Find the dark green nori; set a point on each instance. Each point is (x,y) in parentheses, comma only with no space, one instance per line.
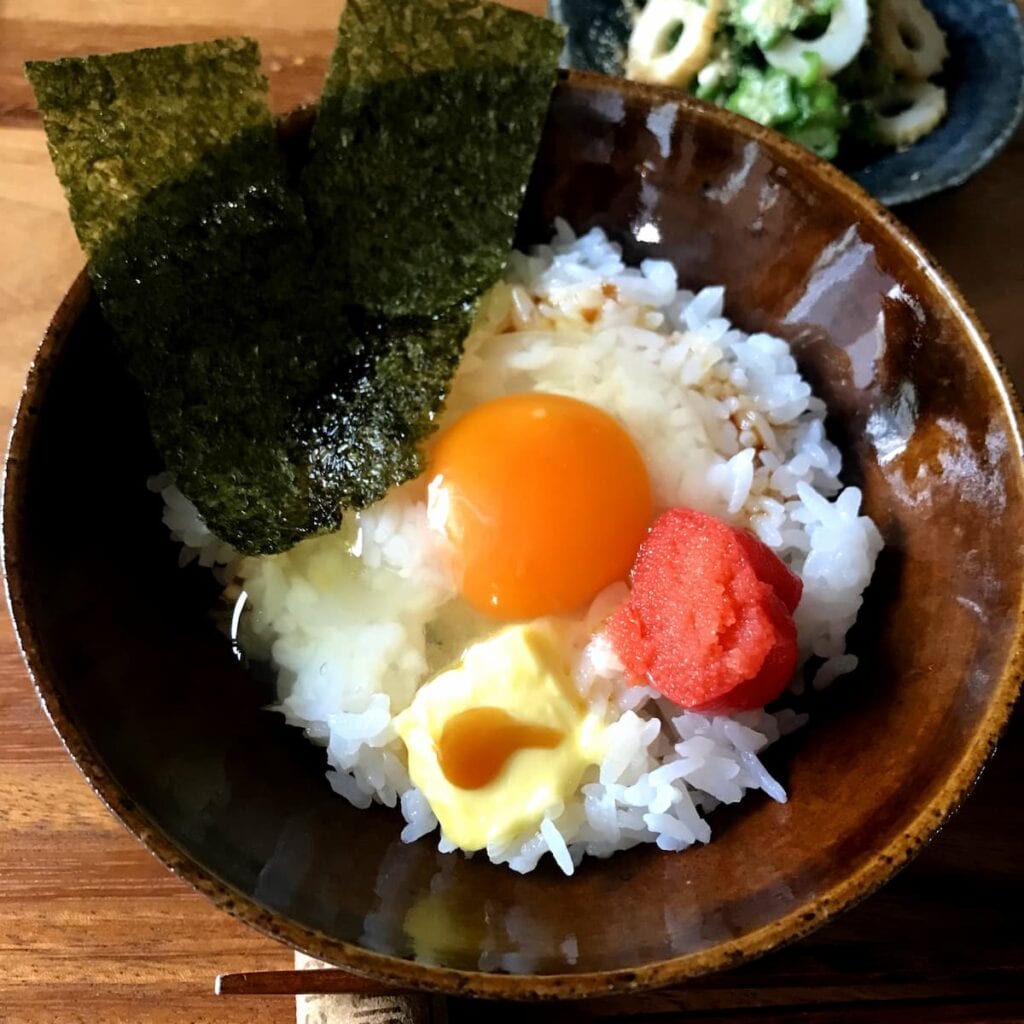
(288,377)
(197,247)
(369,435)
(425,136)
(121,124)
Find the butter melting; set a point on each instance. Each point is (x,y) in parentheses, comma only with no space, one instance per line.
(502,737)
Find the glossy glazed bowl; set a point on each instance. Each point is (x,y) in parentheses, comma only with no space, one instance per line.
(984,80)
(169,728)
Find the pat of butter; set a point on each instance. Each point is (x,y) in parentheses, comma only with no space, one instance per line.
(525,671)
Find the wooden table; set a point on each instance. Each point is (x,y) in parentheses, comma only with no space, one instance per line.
(94,930)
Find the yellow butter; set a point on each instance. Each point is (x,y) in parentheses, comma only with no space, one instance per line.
(525,671)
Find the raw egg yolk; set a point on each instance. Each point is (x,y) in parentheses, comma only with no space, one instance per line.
(544,501)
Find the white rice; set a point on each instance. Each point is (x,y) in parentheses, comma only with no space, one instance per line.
(356,621)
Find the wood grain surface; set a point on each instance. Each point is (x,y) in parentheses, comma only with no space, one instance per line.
(94,930)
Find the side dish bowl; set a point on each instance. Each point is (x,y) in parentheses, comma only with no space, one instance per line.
(170,728)
(984,79)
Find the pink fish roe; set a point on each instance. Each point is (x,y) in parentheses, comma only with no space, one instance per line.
(709,620)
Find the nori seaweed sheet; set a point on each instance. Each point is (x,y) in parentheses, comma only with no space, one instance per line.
(425,136)
(121,124)
(369,434)
(292,374)
(197,245)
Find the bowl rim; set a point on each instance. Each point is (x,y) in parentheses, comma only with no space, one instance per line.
(409,974)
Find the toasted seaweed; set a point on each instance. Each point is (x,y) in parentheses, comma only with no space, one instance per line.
(121,124)
(291,371)
(198,248)
(425,136)
(366,439)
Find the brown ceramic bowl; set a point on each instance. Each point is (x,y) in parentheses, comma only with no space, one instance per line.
(168,727)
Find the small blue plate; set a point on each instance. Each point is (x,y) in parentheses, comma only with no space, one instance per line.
(984,78)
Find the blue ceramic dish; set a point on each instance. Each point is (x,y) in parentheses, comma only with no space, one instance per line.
(984,78)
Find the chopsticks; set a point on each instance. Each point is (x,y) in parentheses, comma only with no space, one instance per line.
(327,995)
(326,981)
